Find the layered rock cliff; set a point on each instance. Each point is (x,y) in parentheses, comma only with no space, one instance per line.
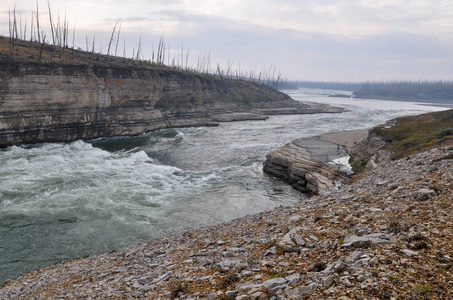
(53,102)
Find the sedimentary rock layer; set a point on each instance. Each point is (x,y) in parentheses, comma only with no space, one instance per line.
(53,103)
(307,163)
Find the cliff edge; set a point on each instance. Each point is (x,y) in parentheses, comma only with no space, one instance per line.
(79,95)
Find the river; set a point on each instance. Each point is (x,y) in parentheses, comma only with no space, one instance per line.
(66,200)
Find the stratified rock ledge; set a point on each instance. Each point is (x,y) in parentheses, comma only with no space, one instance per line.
(308,164)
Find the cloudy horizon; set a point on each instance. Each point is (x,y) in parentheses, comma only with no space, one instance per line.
(356,40)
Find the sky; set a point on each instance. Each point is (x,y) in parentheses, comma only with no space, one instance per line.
(317,40)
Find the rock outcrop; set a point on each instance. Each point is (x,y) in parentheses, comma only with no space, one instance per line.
(45,102)
(311,165)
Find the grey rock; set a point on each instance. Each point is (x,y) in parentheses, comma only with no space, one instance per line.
(295,218)
(287,243)
(247,287)
(346,282)
(275,289)
(204,263)
(305,250)
(425,194)
(271,251)
(293,293)
(355,256)
(268,284)
(383,182)
(373,262)
(258,296)
(370,240)
(227,264)
(231,293)
(308,288)
(409,253)
(298,240)
(327,282)
(375,209)
(164,277)
(314,238)
(292,279)
(246,273)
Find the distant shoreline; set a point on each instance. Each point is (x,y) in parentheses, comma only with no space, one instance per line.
(418,101)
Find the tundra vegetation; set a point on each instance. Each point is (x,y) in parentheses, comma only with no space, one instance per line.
(406,136)
(409,135)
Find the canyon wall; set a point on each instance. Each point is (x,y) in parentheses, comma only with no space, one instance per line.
(45,102)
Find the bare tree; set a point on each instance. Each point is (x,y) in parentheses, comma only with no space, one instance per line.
(139,47)
(11,34)
(111,37)
(15,33)
(73,37)
(52,29)
(42,45)
(187,58)
(37,22)
(31,25)
(124,47)
(161,50)
(117,40)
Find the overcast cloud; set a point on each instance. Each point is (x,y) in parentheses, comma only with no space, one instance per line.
(306,39)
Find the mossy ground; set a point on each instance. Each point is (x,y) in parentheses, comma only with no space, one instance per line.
(415,134)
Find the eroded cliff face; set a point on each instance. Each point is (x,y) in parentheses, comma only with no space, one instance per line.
(50,103)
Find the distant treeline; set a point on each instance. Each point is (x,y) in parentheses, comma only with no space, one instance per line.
(327,85)
(427,91)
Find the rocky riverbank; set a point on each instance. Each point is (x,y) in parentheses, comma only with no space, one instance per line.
(385,235)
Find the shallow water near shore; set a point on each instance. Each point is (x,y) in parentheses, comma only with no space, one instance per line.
(66,200)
